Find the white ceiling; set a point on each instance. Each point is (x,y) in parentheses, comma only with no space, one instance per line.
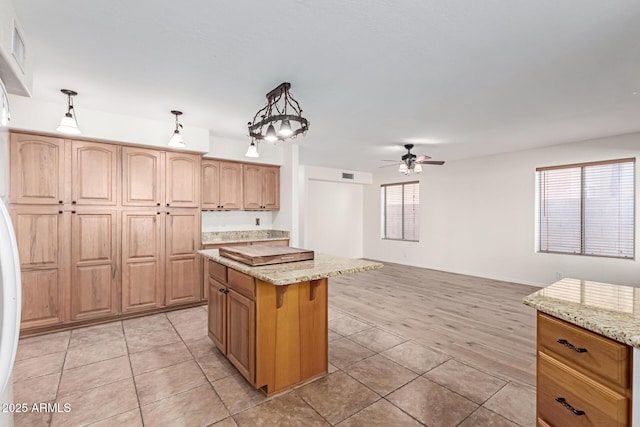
(465,78)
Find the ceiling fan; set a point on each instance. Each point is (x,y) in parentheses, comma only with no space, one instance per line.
(410,162)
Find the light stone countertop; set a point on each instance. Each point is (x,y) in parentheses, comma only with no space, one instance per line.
(300,271)
(609,310)
(222,237)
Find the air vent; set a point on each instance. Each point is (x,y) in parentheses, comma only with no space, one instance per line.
(347,175)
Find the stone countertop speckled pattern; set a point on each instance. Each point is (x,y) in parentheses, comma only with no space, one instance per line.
(222,237)
(301,271)
(609,310)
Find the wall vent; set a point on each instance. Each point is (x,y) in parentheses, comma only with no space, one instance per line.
(347,175)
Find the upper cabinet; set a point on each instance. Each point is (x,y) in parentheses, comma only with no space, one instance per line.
(142,177)
(261,187)
(41,154)
(182,173)
(221,185)
(94,169)
(40,167)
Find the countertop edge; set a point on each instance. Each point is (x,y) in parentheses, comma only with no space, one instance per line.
(602,322)
(360,265)
(224,242)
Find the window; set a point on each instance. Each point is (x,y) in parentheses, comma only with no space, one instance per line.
(401,211)
(587,209)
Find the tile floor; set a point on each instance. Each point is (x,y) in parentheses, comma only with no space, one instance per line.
(162,370)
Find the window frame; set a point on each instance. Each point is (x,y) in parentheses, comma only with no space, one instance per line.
(384,210)
(539,201)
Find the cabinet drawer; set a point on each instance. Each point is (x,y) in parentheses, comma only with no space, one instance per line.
(586,351)
(218,271)
(598,405)
(242,283)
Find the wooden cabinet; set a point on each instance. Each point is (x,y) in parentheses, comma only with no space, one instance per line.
(42,234)
(583,379)
(182,262)
(276,336)
(94,251)
(142,177)
(37,170)
(142,260)
(182,180)
(94,169)
(261,187)
(221,185)
(103,229)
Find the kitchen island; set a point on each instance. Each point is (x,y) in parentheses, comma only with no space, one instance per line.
(271,321)
(588,354)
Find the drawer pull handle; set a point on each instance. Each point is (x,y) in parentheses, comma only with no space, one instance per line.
(563,402)
(571,346)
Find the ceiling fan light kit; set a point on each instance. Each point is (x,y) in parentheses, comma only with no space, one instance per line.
(412,163)
(282,112)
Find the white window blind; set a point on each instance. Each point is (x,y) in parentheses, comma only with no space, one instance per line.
(401,211)
(587,209)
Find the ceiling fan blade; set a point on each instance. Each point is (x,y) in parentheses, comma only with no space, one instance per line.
(431,162)
(396,161)
(421,158)
(386,166)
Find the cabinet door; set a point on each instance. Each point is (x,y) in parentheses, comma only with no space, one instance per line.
(241,334)
(230,185)
(93,264)
(142,255)
(271,188)
(142,171)
(210,184)
(182,262)
(37,169)
(218,314)
(182,180)
(42,237)
(93,173)
(252,183)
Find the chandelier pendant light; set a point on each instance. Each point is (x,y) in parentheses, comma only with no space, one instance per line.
(68,123)
(280,119)
(176,140)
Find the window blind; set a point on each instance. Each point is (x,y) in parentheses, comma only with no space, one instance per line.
(587,209)
(401,211)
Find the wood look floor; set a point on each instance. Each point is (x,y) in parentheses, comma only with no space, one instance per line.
(479,321)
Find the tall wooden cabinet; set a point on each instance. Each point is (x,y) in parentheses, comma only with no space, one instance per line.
(103,229)
(261,187)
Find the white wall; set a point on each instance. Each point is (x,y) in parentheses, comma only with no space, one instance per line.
(40,116)
(478,217)
(332,210)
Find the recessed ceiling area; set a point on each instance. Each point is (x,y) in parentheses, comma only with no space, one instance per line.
(457,78)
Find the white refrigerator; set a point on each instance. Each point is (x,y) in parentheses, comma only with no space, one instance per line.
(10,286)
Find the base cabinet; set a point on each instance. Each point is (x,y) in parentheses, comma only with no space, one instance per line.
(276,336)
(583,379)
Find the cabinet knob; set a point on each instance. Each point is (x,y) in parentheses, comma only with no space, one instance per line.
(73,212)
(158,204)
(168,213)
(73,202)
(167,204)
(60,201)
(59,212)
(157,213)
(221,290)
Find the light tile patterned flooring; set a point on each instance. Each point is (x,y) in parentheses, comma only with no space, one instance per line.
(162,370)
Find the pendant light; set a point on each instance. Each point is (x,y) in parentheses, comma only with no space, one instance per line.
(253,150)
(69,124)
(176,139)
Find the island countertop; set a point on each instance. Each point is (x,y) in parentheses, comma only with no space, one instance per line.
(609,310)
(294,272)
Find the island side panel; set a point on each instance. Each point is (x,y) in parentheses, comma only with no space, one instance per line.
(292,342)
